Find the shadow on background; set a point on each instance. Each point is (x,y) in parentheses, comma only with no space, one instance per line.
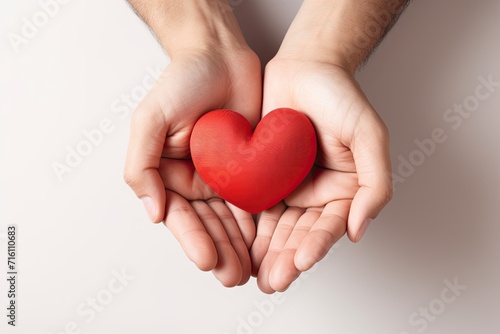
(263,29)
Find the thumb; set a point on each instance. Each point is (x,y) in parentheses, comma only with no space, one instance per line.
(147,136)
(370,149)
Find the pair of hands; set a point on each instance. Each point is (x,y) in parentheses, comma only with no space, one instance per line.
(348,186)
(349,183)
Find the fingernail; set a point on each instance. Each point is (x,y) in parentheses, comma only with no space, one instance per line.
(363,229)
(150,207)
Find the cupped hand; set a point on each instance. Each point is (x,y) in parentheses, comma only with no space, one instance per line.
(350,181)
(213,234)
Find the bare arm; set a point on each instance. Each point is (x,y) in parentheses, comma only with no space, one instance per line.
(182,25)
(211,67)
(344,31)
(350,183)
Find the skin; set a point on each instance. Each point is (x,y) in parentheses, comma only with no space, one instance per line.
(313,72)
(212,67)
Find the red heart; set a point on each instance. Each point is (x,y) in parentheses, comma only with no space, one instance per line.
(253,171)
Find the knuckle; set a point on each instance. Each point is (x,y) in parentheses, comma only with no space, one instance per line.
(130,178)
(387,195)
(383,132)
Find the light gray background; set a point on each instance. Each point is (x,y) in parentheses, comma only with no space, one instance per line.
(442,224)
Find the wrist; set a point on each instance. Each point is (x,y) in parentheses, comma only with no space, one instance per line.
(185,26)
(314,34)
(341,32)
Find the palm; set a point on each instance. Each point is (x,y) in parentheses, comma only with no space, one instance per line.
(214,234)
(299,232)
(331,105)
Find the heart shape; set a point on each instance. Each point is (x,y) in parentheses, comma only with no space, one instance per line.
(253,171)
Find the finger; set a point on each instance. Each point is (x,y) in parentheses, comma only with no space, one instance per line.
(235,238)
(147,136)
(265,228)
(228,269)
(285,227)
(264,270)
(284,271)
(187,228)
(280,236)
(181,176)
(245,222)
(370,149)
(325,232)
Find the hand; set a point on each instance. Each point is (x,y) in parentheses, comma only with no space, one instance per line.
(350,181)
(213,234)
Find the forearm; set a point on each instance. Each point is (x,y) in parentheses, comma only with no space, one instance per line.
(341,31)
(183,25)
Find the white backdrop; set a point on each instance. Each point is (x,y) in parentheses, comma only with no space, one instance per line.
(89,261)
